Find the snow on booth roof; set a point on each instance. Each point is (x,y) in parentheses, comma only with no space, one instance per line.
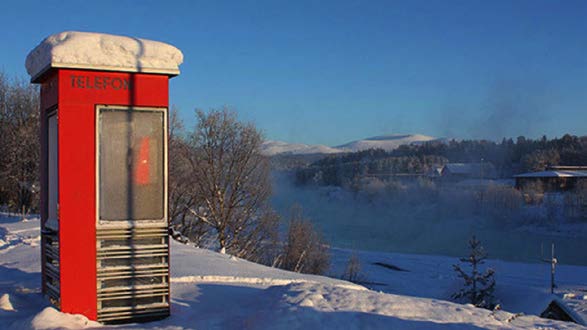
(98,51)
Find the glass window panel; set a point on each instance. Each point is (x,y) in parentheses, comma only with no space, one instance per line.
(131,164)
(53,170)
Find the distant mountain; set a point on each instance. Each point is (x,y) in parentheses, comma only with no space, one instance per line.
(271,148)
(385,142)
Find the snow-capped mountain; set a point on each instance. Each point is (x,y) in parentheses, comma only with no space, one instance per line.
(271,148)
(385,142)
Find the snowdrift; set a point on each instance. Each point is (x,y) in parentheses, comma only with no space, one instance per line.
(215,291)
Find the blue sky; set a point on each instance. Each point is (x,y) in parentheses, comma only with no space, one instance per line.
(329,72)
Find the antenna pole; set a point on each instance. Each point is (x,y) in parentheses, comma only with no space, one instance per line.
(553,263)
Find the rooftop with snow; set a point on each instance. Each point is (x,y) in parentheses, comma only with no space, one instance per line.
(99,51)
(553,174)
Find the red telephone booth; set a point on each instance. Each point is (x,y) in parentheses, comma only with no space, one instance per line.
(104,102)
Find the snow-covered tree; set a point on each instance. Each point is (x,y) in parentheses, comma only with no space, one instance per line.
(183,196)
(230,181)
(479,285)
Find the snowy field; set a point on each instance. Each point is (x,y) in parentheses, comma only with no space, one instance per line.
(520,287)
(214,291)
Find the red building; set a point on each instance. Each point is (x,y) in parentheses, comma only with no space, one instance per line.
(104,102)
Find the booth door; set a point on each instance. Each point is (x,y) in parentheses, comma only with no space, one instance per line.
(132,233)
(131,169)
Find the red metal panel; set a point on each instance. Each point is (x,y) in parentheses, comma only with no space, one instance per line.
(48,102)
(112,88)
(49,94)
(79,91)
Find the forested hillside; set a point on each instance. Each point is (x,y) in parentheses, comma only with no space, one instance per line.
(508,156)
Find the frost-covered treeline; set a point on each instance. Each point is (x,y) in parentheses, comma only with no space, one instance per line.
(508,156)
(19,145)
(409,176)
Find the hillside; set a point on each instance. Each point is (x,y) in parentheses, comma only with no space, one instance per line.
(215,291)
(270,148)
(385,142)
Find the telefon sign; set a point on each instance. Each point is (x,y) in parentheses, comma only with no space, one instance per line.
(105,244)
(100,82)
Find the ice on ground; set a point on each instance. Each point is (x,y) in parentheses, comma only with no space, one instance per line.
(73,49)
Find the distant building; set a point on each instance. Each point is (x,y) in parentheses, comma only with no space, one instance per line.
(465,171)
(434,172)
(570,308)
(555,178)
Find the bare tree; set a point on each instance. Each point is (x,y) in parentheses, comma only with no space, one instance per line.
(502,203)
(19,144)
(575,203)
(305,250)
(353,271)
(230,181)
(182,192)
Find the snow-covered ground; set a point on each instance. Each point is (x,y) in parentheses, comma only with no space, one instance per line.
(215,291)
(520,287)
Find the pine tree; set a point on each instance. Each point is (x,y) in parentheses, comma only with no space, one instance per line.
(479,285)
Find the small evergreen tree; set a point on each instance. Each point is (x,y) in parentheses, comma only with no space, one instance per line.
(479,285)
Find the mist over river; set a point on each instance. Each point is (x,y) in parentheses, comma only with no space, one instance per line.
(353,221)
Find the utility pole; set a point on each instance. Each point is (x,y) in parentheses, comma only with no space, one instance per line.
(552,261)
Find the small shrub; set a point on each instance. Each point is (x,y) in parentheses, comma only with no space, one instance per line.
(305,250)
(575,203)
(353,271)
(501,202)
